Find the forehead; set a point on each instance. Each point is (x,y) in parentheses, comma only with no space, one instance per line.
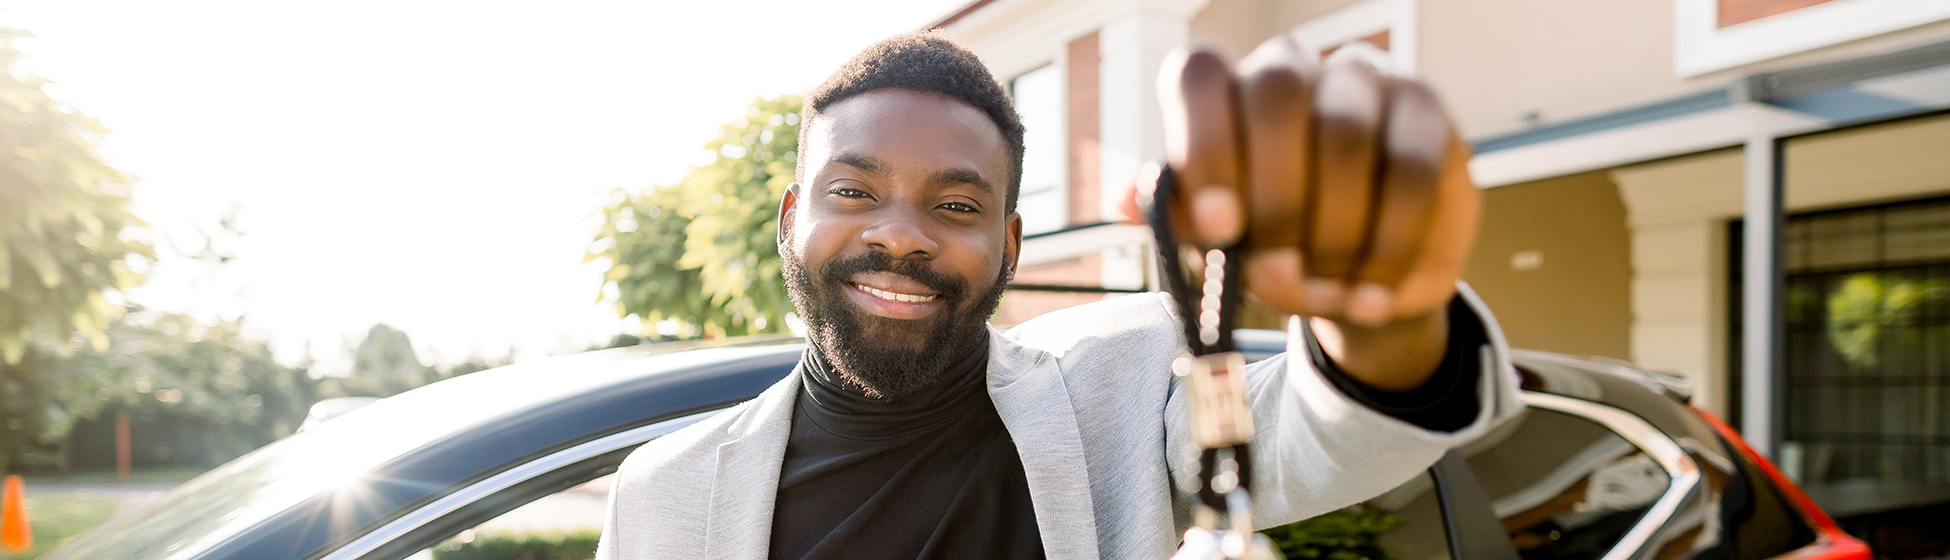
(908,128)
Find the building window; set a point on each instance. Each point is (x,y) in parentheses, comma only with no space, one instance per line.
(1044,203)
(1712,35)
(1867,391)
(1388,25)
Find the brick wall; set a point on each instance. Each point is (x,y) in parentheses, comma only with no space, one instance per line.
(1021,305)
(1082,109)
(1742,11)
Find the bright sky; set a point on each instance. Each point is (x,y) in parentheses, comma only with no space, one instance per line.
(434,166)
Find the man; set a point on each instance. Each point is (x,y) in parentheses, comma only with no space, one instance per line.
(913,429)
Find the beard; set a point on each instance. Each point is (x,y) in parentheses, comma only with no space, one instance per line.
(888,359)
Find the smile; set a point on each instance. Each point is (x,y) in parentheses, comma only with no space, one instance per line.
(895,296)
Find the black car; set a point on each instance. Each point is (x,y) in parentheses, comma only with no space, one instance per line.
(1609,462)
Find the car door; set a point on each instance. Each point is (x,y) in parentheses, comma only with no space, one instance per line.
(565,477)
(1569,480)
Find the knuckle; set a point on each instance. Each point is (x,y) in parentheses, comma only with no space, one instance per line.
(1202,69)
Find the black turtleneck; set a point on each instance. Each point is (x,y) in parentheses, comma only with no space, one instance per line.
(932,476)
(937,476)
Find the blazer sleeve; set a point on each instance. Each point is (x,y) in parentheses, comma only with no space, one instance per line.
(1318,448)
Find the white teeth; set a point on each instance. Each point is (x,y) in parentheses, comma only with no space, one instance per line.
(897,297)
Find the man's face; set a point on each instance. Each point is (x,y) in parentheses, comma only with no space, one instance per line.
(897,242)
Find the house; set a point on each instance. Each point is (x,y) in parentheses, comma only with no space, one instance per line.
(1638,159)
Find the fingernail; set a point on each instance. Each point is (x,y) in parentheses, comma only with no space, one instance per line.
(1324,295)
(1369,305)
(1216,214)
(1278,267)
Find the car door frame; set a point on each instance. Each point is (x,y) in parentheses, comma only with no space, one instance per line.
(1467,512)
(502,492)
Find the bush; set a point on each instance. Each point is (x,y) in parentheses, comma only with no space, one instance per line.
(1349,534)
(546,545)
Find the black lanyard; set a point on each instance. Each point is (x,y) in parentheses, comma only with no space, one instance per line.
(1208,301)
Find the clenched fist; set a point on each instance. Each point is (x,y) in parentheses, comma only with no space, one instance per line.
(1348,187)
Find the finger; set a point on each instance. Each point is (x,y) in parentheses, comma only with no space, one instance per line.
(1347,105)
(1415,142)
(1202,141)
(1431,282)
(1276,102)
(1132,211)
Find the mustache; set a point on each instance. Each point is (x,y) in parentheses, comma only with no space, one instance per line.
(947,287)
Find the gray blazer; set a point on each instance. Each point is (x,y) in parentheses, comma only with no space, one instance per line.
(1089,398)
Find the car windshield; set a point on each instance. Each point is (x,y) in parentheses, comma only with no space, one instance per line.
(219,504)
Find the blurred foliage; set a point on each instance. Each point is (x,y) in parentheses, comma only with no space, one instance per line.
(1349,534)
(63,213)
(703,252)
(196,394)
(385,364)
(1866,304)
(71,358)
(220,390)
(544,545)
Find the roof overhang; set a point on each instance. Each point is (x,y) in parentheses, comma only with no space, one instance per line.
(1773,104)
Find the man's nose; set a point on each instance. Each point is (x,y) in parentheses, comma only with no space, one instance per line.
(902,236)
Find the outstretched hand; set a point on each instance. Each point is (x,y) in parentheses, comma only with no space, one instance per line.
(1348,187)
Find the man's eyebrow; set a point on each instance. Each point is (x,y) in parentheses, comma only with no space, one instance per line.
(962,176)
(865,163)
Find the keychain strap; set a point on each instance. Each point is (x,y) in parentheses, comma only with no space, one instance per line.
(1214,372)
(1209,311)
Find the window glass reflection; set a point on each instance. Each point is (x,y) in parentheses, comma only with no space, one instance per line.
(564,525)
(1567,488)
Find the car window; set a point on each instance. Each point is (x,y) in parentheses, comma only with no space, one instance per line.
(1567,488)
(1403,524)
(563,525)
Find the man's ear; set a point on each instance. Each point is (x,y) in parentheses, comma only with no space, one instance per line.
(785,211)
(1013,253)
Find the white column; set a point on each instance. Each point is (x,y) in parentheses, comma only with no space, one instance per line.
(1131,130)
(1761,302)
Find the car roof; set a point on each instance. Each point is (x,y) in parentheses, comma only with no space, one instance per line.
(550,406)
(307,490)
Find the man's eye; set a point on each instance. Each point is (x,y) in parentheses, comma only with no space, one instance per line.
(959,207)
(851,192)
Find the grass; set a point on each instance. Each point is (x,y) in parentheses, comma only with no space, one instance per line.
(57,520)
(166,474)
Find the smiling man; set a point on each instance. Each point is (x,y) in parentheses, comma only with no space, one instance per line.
(913,429)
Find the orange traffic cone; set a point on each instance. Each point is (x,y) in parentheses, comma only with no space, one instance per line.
(15,536)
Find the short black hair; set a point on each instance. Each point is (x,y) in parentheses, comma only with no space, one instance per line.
(925,61)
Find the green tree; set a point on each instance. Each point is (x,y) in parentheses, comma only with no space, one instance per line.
(385,364)
(63,213)
(207,393)
(703,252)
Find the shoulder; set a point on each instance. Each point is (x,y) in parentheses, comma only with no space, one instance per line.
(676,456)
(1114,322)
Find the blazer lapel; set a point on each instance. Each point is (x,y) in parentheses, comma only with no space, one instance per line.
(747,479)
(1030,396)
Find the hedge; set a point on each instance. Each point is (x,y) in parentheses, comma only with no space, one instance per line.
(548,545)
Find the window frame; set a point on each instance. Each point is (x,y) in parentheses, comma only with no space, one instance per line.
(1353,23)
(1057,191)
(504,491)
(1455,479)
(1701,46)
